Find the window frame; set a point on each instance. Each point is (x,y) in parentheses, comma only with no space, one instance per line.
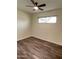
(45,17)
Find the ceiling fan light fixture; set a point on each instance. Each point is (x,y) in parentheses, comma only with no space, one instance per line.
(36,8)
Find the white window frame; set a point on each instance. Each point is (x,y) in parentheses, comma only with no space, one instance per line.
(47,21)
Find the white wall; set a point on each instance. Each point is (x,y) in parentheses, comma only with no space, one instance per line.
(28,26)
(23,25)
(48,32)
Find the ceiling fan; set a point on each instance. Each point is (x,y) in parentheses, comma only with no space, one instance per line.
(36,6)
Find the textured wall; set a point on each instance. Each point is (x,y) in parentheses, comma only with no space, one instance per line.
(23,25)
(48,32)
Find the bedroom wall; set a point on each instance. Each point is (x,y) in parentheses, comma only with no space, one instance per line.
(23,25)
(48,32)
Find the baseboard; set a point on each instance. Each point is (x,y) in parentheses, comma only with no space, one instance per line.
(40,39)
(46,40)
(23,38)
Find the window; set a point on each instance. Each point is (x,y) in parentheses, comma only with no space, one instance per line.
(52,19)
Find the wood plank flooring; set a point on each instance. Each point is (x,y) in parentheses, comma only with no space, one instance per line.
(34,48)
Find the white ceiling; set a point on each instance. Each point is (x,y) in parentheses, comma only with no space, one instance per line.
(50,5)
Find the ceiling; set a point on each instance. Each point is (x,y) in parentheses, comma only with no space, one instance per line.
(50,5)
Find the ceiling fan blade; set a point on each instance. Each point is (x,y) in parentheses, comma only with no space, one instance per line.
(42,5)
(36,3)
(33,2)
(40,8)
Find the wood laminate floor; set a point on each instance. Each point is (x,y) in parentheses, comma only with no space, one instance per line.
(34,48)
